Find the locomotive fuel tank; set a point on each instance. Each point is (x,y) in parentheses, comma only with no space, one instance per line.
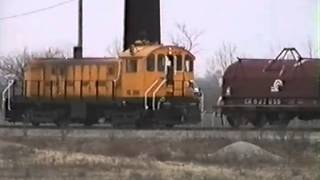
(256,90)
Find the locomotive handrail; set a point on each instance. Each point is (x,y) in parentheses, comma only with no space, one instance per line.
(160,101)
(195,88)
(147,92)
(114,81)
(201,95)
(4,92)
(119,72)
(155,92)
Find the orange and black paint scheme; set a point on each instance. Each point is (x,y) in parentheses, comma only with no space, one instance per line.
(147,85)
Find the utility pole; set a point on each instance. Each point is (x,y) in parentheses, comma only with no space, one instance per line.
(80,19)
(78,50)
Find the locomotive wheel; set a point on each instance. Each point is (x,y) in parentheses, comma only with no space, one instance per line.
(35,124)
(62,119)
(144,124)
(169,126)
(124,126)
(62,123)
(88,124)
(27,117)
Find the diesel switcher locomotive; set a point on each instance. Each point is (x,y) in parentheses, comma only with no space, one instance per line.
(148,85)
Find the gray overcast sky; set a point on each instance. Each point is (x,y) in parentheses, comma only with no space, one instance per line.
(254,26)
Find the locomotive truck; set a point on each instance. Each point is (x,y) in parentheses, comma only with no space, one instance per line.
(271,91)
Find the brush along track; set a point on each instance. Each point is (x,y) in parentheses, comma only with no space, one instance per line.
(309,134)
(176,128)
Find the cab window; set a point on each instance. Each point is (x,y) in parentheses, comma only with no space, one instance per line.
(151,62)
(131,65)
(189,63)
(161,62)
(179,63)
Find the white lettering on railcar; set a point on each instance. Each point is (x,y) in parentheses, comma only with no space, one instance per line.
(277,84)
(262,101)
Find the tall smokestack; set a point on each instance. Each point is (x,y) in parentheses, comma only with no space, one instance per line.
(78,50)
(142,21)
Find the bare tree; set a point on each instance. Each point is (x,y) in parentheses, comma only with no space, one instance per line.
(189,39)
(312,50)
(222,58)
(51,53)
(115,49)
(217,64)
(16,64)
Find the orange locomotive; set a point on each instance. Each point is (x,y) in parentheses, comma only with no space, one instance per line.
(147,85)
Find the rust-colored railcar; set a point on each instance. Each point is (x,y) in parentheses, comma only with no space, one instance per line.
(273,91)
(147,85)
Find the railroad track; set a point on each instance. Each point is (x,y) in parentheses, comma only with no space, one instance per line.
(178,133)
(178,128)
(164,134)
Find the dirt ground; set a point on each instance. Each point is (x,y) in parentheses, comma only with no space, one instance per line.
(145,159)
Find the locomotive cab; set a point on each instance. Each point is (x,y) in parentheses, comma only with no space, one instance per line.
(163,77)
(165,69)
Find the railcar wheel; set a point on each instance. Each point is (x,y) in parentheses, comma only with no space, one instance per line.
(169,126)
(282,121)
(233,122)
(260,121)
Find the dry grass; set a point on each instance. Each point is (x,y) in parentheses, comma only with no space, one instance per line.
(154,159)
(188,150)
